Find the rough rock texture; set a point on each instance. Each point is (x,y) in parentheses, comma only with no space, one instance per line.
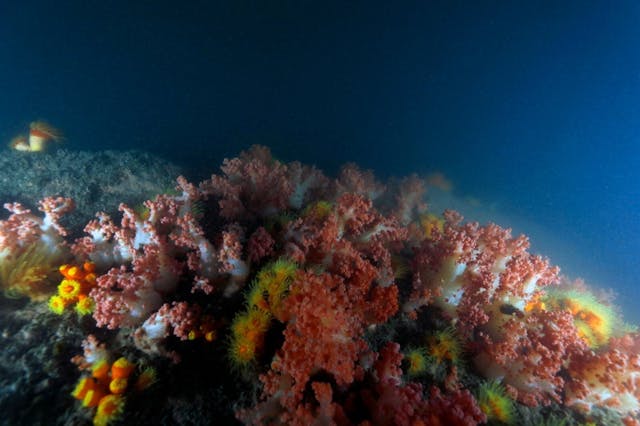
(97,181)
(36,376)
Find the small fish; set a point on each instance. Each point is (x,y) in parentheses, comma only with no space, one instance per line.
(511,310)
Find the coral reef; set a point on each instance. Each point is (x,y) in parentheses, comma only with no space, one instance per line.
(273,294)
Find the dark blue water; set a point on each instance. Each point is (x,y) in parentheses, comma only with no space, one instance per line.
(530,106)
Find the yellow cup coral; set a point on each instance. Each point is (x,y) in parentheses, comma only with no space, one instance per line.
(444,346)
(57,304)
(118,386)
(417,361)
(594,320)
(69,289)
(74,289)
(247,336)
(271,286)
(109,383)
(495,403)
(84,385)
(122,368)
(100,369)
(92,397)
(85,305)
(109,409)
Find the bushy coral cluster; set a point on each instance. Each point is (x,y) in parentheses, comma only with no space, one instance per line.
(301,281)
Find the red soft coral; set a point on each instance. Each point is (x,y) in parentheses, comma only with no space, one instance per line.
(455,408)
(529,354)
(260,245)
(474,270)
(610,377)
(322,335)
(252,185)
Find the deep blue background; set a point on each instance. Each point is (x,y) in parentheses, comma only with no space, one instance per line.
(535,106)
